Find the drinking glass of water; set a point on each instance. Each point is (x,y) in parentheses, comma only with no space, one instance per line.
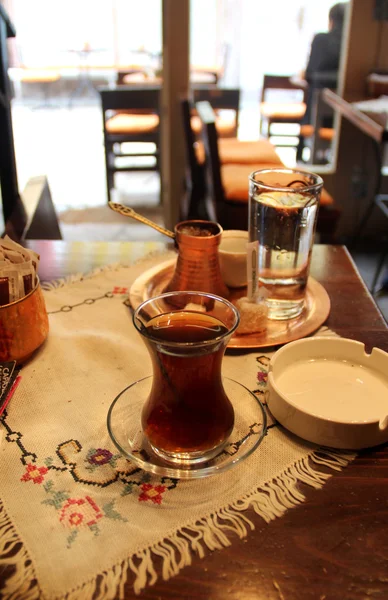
(283,211)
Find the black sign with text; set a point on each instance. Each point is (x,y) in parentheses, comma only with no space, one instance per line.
(8,374)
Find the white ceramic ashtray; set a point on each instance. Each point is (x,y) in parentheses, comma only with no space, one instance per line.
(232,253)
(331,392)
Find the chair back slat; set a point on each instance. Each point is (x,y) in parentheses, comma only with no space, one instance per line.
(130,98)
(126,114)
(189,134)
(279,82)
(194,207)
(219,98)
(210,140)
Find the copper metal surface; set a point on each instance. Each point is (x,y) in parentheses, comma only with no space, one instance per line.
(24,326)
(198,267)
(317,308)
(126,211)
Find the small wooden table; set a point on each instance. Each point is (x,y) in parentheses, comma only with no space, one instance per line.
(334,545)
(375,125)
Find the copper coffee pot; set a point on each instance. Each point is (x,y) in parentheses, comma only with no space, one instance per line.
(197,242)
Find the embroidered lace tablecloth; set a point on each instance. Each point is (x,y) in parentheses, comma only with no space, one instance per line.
(76,518)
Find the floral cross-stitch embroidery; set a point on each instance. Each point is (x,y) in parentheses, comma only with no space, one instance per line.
(120,290)
(80,511)
(34,473)
(83,512)
(101,456)
(152,492)
(262,377)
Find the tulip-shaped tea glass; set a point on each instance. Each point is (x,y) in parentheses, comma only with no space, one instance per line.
(283,211)
(187,417)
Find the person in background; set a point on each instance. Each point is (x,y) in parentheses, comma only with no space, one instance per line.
(326,47)
(323,64)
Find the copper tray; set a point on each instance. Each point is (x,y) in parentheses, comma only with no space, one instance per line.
(151,283)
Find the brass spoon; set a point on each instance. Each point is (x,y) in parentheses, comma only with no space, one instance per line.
(129,212)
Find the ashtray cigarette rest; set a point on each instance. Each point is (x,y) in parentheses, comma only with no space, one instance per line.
(329,391)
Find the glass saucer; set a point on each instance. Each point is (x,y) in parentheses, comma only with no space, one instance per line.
(124,427)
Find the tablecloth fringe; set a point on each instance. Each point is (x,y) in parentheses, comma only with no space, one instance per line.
(269,501)
(22,583)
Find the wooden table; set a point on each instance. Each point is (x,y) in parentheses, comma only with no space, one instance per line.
(375,125)
(334,546)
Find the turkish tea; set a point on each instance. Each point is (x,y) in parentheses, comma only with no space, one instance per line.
(188,410)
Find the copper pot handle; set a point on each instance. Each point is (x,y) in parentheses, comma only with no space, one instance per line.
(129,212)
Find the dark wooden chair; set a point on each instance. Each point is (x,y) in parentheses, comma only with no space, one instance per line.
(286,106)
(381,200)
(193,205)
(316,132)
(218,209)
(317,137)
(129,115)
(221,99)
(232,151)
(228,184)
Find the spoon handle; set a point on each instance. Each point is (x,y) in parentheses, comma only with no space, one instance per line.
(129,212)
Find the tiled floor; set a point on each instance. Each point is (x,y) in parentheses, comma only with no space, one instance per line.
(66,145)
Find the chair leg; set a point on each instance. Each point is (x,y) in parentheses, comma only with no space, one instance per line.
(376,195)
(378,271)
(267,128)
(197,206)
(264,127)
(109,156)
(110,182)
(299,149)
(363,223)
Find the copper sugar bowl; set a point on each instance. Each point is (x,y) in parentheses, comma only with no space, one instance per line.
(24,326)
(198,267)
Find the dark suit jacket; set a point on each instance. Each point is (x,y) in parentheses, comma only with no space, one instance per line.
(324,53)
(322,67)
